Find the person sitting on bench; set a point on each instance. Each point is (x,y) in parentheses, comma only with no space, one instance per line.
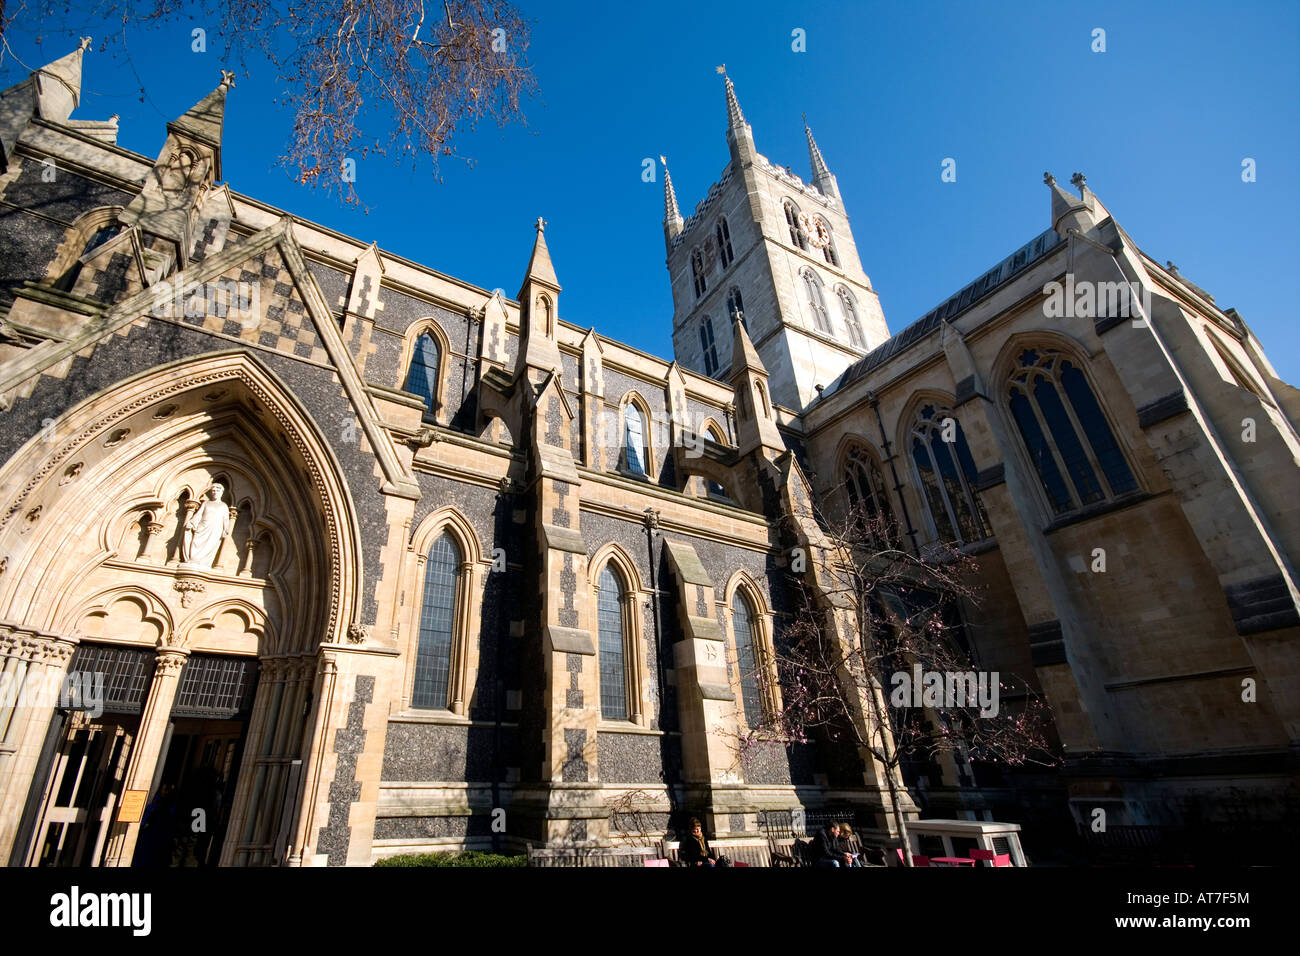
(826,848)
(695,850)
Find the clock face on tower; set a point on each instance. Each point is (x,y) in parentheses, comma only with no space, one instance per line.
(820,236)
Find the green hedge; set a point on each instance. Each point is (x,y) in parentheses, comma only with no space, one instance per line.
(466,858)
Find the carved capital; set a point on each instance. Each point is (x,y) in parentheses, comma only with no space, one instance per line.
(170,662)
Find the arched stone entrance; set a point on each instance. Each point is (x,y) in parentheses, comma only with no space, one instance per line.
(188,532)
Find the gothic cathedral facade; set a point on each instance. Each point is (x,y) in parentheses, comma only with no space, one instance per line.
(362,559)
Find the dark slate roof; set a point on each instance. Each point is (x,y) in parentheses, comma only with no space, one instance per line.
(1000,274)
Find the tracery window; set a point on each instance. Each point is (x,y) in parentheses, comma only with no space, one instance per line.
(816,301)
(947,475)
(849,309)
(865,487)
(1065,432)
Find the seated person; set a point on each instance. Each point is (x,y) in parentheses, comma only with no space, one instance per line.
(826,849)
(695,850)
(846,846)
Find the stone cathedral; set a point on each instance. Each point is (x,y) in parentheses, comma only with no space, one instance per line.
(362,559)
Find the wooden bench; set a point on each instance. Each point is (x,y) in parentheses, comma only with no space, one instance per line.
(749,851)
(591,856)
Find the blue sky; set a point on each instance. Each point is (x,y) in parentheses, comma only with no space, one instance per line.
(1160,123)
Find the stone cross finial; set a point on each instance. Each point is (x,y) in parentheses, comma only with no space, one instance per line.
(721,69)
(85,43)
(541,224)
(227,79)
(1049,179)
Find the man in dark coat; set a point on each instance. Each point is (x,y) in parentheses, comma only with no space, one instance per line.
(826,850)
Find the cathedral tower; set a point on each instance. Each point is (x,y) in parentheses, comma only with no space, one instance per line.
(780,251)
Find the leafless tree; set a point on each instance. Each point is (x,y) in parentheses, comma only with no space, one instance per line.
(402,77)
(869,614)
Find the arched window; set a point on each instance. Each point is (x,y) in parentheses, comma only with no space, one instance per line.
(816,301)
(947,473)
(97,238)
(748,659)
(798,234)
(723,235)
(849,309)
(736,306)
(1065,432)
(698,273)
(437,624)
(865,486)
(613,660)
(707,346)
(422,377)
(826,239)
(636,453)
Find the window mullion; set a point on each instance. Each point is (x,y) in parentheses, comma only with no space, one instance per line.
(1076,498)
(1084,440)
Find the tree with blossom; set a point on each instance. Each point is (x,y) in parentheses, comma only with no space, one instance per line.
(871,614)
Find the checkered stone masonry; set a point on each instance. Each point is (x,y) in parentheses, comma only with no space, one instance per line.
(349,742)
(283,324)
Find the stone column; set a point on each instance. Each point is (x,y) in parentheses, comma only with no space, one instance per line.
(147,747)
(33,662)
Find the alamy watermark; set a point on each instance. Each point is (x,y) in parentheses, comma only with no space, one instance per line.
(1085,299)
(938,689)
(75,690)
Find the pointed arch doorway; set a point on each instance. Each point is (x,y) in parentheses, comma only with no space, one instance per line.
(202,611)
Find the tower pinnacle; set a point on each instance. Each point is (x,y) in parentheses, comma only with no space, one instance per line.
(821,174)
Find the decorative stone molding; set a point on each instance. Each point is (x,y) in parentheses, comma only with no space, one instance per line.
(36,647)
(358,633)
(188,587)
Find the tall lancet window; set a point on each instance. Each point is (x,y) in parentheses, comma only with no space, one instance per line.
(816,302)
(849,309)
(698,273)
(613,663)
(723,234)
(708,347)
(635,452)
(798,235)
(422,378)
(437,622)
(748,660)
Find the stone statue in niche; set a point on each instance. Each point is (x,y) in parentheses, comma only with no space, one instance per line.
(205,529)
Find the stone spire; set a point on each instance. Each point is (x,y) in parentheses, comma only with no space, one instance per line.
(539,317)
(821,174)
(51,93)
(740,138)
(204,120)
(672,215)
(735,118)
(755,418)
